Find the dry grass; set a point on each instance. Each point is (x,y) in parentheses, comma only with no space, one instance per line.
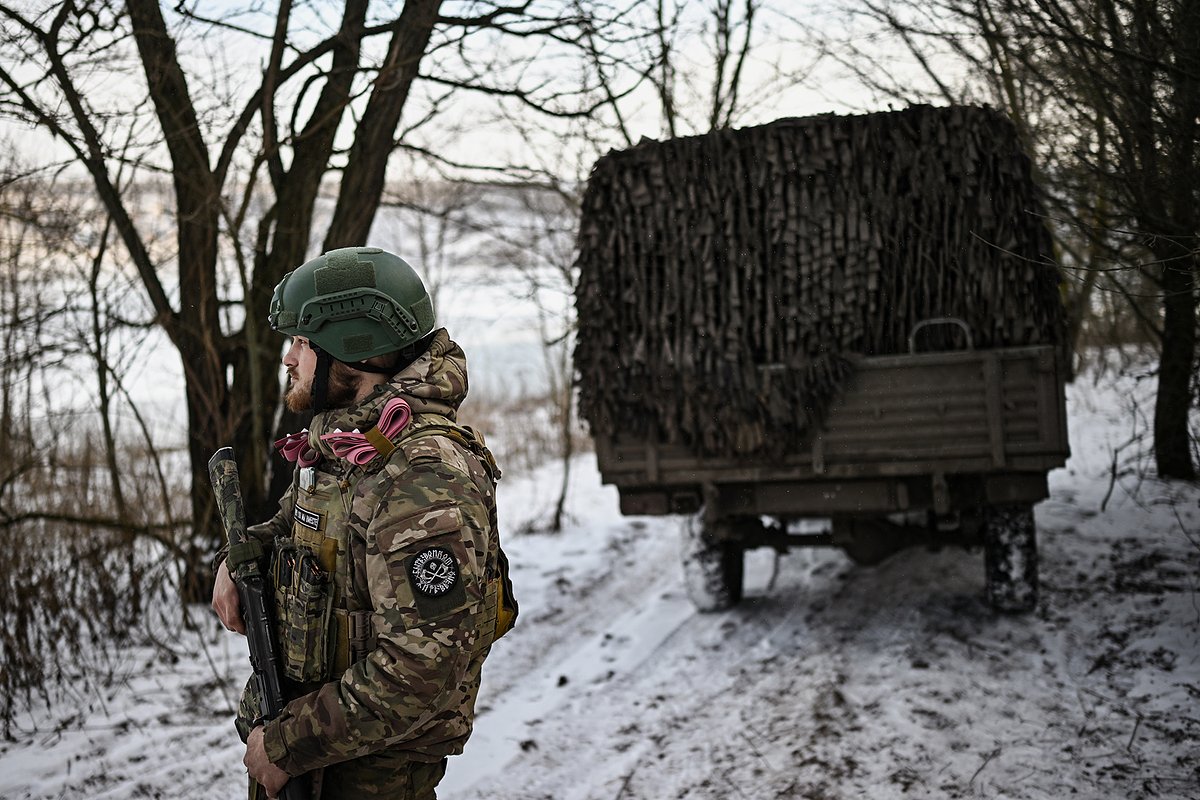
(524,430)
(78,578)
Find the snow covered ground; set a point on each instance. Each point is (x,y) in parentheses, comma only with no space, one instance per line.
(831,681)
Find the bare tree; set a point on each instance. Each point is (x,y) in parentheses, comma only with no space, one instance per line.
(72,571)
(535,235)
(248,162)
(435,216)
(709,65)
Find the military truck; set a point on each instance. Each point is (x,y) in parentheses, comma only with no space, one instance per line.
(852,319)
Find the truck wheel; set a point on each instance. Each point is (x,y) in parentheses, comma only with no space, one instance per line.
(1010,558)
(712,566)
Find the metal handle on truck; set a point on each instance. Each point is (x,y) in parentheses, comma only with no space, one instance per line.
(912,337)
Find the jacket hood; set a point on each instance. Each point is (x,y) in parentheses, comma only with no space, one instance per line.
(436,383)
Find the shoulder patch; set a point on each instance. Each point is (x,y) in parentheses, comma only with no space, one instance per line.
(433,571)
(437,587)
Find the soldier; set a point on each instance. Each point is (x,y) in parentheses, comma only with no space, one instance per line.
(390,584)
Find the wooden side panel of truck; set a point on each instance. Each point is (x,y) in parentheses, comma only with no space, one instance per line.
(936,431)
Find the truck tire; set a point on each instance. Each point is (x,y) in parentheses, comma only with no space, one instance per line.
(712,566)
(1010,558)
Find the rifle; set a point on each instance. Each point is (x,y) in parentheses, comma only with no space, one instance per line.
(256,596)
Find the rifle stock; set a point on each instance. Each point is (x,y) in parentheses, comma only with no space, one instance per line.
(256,596)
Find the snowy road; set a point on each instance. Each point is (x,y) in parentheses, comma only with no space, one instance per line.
(844,682)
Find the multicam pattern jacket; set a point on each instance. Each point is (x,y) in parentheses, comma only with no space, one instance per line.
(386,662)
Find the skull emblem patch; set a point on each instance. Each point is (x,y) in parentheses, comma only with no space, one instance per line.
(434,572)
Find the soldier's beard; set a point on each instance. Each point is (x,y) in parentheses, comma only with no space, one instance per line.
(343,388)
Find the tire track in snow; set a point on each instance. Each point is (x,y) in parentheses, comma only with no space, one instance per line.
(649,608)
(666,724)
(628,642)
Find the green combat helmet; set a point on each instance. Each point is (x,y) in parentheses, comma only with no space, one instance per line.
(354,303)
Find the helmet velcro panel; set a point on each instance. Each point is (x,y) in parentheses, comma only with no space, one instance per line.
(344,271)
(422,312)
(358,343)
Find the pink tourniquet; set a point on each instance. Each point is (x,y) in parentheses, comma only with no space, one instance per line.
(355,448)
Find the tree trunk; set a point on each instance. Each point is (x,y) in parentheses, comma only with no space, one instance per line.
(1177,255)
(209,428)
(1172,438)
(256,374)
(196,330)
(362,181)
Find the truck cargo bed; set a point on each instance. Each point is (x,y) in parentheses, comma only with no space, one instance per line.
(998,412)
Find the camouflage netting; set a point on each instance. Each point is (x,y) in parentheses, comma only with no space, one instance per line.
(723,278)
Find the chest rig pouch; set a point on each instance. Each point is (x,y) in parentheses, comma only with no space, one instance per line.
(309,578)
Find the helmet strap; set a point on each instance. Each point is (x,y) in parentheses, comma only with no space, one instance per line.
(320,384)
(362,366)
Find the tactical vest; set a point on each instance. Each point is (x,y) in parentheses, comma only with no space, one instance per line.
(323,628)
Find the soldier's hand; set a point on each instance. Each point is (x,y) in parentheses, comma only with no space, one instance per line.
(269,776)
(225,600)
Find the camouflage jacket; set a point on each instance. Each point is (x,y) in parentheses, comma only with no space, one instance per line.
(417,563)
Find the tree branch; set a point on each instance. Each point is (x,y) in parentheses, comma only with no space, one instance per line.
(92,155)
(152,531)
(485,20)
